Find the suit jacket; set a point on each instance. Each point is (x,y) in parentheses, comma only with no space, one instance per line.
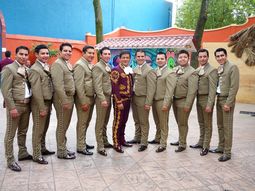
(229,82)
(101,80)
(63,82)
(165,85)
(41,84)
(83,81)
(145,83)
(207,83)
(122,84)
(186,85)
(13,85)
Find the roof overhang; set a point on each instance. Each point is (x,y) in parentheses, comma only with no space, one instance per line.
(141,42)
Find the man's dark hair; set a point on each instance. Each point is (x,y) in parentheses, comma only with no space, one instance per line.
(21,47)
(125,52)
(103,49)
(7,54)
(221,50)
(141,51)
(85,48)
(65,44)
(39,47)
(203,50)
(162,53)
(183,52)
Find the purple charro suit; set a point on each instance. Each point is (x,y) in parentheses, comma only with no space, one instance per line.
(122,85)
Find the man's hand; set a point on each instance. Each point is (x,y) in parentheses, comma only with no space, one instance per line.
(164,108)
(43,113)
(120,106)
(208,109)
(85,107)
(147,107)
(67,106)
(14,113)
(186,109)
(226,108)
(104,104)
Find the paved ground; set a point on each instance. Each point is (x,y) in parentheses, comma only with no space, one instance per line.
(132,170)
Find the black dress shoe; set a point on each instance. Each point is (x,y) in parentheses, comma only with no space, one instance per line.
(160,149)
(180,149)
(28,157)
(196,146)
(125,144)
(15,167)
(108,146)
(224,158)
(215,151)
(142,148)
(133,141)
(85,152)
(89,146)
(204,152)
(103,152)
(67,157)
(47,152)
(118,149)
(153,142)
(70,152)
(40,160)
(175,143)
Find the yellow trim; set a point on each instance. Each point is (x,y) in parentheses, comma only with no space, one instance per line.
(116,123)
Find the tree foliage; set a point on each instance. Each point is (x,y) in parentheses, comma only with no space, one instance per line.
(220,13)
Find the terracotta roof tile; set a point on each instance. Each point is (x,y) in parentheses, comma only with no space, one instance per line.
(179,42)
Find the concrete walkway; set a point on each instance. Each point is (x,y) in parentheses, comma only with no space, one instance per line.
(148,171)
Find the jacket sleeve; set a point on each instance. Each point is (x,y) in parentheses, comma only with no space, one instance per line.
(6,87)
(192,89)
(170,86)
(213,80)
(35,81)
(234,85)
(79,76)
(57,75)
(97,76)
(115,80)
(151,86)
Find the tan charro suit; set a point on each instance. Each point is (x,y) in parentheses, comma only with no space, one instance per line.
(163,96)
(42,88)
(13,90)
(84,95)
(184,95)
(64,90)
(144,90)
(207,85)
(228,87)
(102,84)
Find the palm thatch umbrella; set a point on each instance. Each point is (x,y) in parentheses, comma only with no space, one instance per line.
(243,43)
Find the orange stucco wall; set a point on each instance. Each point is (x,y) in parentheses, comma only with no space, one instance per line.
(213,35)
(3,33)
(12,41)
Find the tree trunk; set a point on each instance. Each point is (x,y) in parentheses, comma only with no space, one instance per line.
(198,35)
(99,21)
